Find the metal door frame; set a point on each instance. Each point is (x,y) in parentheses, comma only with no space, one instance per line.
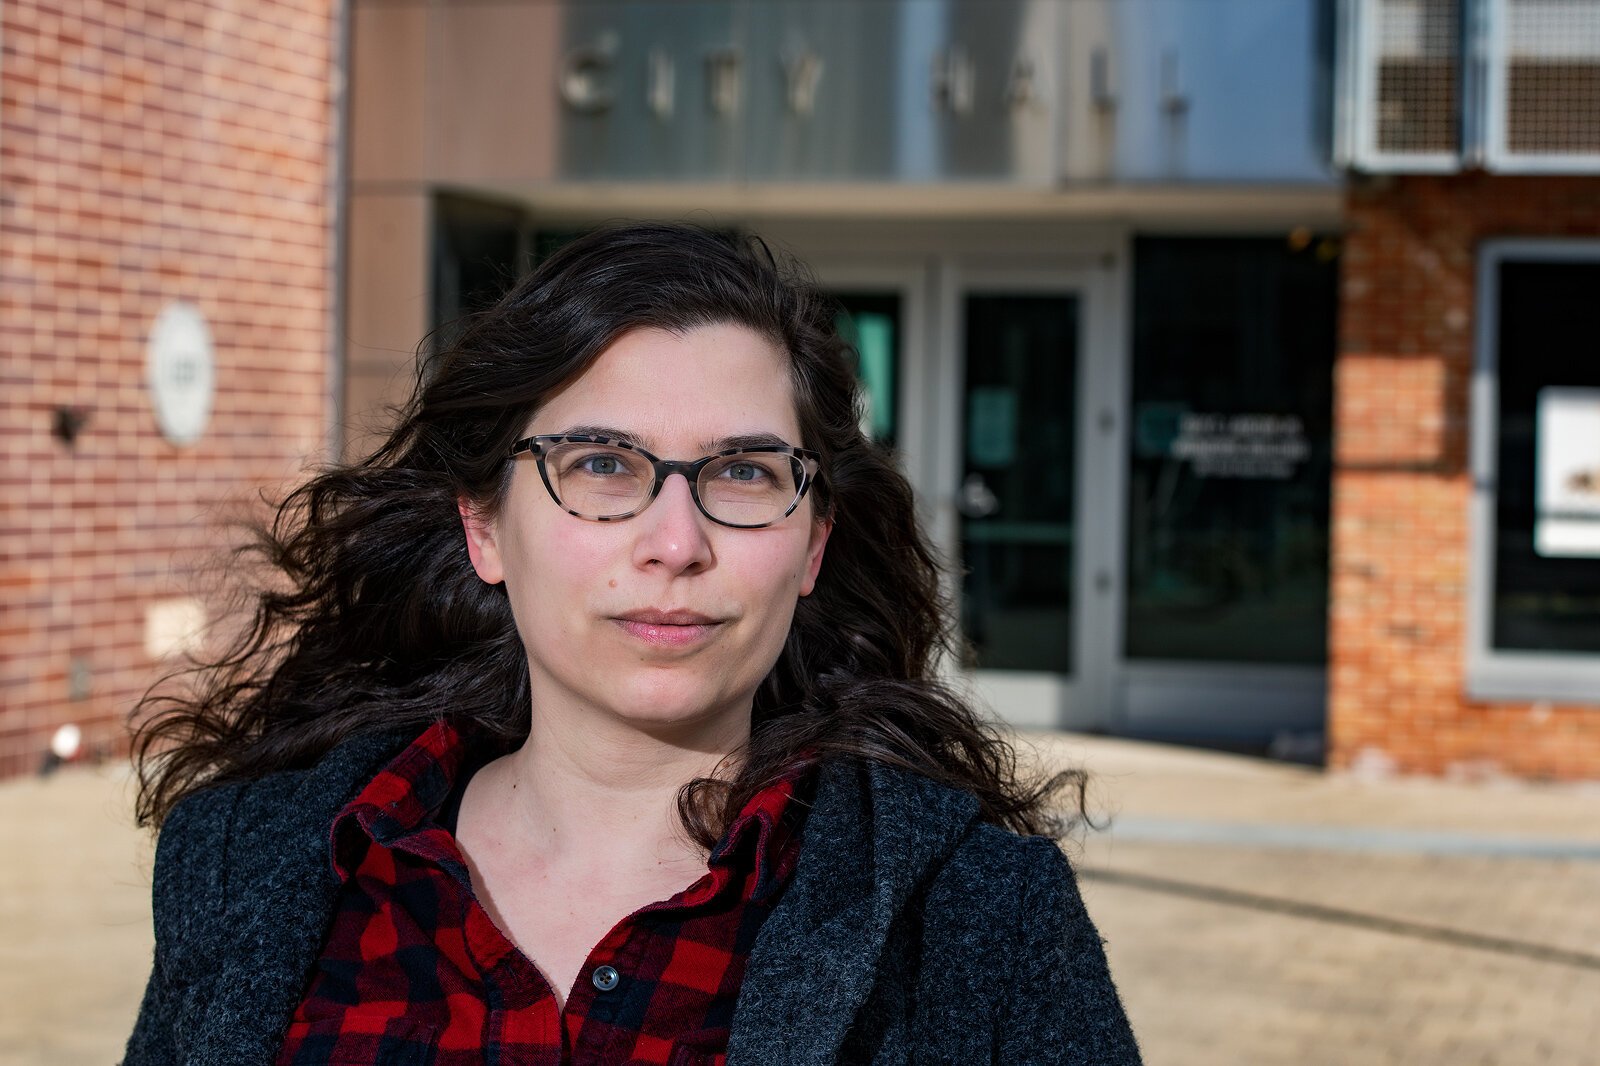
(1086,699)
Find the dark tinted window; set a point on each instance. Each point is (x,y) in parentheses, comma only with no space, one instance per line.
(1547,521)
(1229,449)
(479,251)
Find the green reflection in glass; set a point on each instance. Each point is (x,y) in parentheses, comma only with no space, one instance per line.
(871,325)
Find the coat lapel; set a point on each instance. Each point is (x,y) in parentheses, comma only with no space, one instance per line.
(278,898)
(871,837)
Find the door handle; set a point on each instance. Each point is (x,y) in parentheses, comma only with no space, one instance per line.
(976,499)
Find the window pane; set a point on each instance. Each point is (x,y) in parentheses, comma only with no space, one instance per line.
(1016,495)
(1547,558)
(477,256)
(1230,449)
(871,323)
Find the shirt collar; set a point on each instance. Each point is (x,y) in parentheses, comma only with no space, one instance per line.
(406,795)
(763,837)
(413,786)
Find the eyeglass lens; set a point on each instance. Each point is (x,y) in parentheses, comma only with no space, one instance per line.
(743,489)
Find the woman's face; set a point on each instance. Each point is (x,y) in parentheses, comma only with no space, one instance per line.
(664,619)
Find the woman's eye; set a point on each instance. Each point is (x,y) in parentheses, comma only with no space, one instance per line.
(746,471)
(603,465)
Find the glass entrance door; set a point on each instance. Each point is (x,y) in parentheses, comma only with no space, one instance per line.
(996,385)
(1033,604)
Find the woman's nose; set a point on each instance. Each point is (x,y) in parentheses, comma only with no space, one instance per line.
(672,531)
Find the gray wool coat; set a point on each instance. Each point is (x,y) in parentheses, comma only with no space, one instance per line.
(911,933)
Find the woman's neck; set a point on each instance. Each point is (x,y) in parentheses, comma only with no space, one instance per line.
(587,795)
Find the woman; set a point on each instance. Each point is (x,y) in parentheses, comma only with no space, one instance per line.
(545,748)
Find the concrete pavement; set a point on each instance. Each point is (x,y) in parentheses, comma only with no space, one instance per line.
(75,916)
(1267,913)
(1254,912)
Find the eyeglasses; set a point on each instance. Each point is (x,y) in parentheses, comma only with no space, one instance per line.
(605,480)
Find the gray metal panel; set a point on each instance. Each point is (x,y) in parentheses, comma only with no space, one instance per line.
(859,125)
(1222,90)
(609,47)
(919,90)
(916,90)
(1015,50)
(944,91)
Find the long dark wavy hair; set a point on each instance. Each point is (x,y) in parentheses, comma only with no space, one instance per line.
(373,620)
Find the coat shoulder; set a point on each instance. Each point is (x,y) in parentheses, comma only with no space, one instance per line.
(1004,925)
(1014,850)
(211,837)
(991,880)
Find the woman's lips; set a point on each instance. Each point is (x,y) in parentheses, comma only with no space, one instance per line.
(668,629)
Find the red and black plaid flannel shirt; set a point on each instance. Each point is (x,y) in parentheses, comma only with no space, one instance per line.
(414,971)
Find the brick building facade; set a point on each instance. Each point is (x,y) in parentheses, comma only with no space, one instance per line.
(1403,484)
(149,153)
(190,151)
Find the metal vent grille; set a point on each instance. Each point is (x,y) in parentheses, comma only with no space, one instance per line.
(1399,102)
(1510,85)
(1417,54)
(1551,78)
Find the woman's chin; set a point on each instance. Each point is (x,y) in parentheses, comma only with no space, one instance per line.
(673,708)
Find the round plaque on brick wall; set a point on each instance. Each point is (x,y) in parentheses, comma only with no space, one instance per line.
(181,370)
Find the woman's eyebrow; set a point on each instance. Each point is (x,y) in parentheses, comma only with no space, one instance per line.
(609,432)
(745,440)
(739,440)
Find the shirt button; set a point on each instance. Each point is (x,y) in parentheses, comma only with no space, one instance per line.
(606,978)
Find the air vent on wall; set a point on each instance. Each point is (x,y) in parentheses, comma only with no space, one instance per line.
(1543,85)
(1400,96)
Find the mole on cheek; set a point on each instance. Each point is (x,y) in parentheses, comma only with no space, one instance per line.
(612,583)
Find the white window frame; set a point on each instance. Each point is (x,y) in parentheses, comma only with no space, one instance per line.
(1498,674)
(1498,155)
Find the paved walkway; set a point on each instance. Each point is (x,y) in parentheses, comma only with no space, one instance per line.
(1264,913)
(1253,912)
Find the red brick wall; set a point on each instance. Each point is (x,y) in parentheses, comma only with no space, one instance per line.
(1401,488)
(150,151)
